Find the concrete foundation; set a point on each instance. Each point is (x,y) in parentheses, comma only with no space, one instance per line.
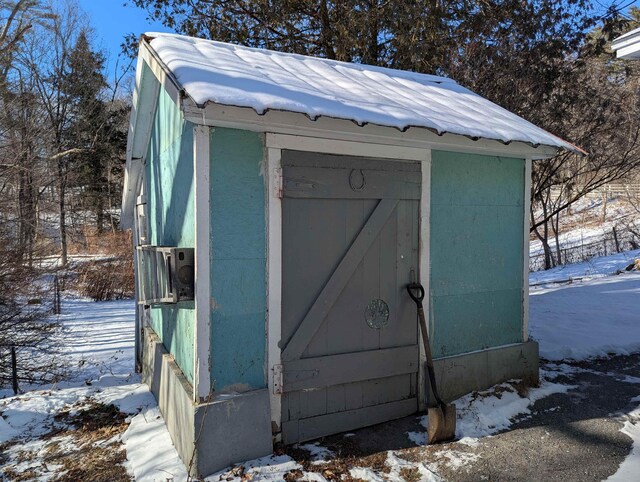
(208,436)
(458,375)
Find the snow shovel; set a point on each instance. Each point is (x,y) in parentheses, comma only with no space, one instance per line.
(442,417)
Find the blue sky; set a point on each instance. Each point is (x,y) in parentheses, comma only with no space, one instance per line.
(112,20)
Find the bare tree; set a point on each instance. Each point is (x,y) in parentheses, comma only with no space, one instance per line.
(24,310)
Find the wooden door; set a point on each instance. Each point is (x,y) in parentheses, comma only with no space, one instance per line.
(349,332)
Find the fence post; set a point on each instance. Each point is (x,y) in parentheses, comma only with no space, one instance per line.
(56,295)
(14,370)
(615,238)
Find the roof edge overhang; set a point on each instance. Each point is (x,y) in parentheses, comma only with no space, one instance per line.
(143,106)
(293,123)
(279,121)
(627,46)
(285,122)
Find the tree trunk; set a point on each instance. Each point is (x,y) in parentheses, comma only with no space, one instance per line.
(543,238)
(100,213)
(62,187)
(372,47)
(556,231)
(326,32)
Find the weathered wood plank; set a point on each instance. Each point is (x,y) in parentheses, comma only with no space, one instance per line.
(386,390)
(316,159)
(326,371)
(315,427)
(336,399)
(406,259)
(311,322)
(323,183)
(308,260)
(344,321)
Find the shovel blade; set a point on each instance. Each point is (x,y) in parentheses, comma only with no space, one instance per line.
(442,424)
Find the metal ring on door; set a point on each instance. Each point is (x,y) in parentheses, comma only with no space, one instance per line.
(352,183)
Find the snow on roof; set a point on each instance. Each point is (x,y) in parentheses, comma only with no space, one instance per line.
(263,80)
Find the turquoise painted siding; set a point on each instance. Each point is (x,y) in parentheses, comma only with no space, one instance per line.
(476,251)
(238,260)
(169,178)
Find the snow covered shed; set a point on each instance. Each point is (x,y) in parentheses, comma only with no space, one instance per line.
(302,195)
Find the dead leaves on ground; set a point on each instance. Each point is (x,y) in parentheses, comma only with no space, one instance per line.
(83,444)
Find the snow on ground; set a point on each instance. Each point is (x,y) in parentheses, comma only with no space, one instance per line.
(486,413)
(150,453)
(592,317)
(318,453)
(585,225)
(481,414)
(630,468)
(589,318)
(598,267)
(98,339)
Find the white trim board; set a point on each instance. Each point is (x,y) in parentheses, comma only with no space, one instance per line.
(425,270)
(282,122)
(346,148)
(145,98)
(525,251)
(202,335)
(273,189)
(162,73)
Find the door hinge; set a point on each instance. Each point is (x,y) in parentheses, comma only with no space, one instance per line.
(278,183)
(277,379)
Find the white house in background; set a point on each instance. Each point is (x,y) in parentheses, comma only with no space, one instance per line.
(627,46)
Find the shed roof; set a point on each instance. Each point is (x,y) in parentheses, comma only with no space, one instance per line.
(263,80)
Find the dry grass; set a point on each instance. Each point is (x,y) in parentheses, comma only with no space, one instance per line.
(98,464)
(521,387)
(84,446)
(410,474)
(14,476)
(94,422)
(104,243)
(347,457)
(110,278)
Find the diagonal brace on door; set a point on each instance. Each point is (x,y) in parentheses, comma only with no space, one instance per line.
(339,279)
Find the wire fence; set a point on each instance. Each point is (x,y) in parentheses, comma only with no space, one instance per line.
(614,241)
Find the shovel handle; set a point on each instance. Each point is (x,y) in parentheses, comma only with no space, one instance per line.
(417,298)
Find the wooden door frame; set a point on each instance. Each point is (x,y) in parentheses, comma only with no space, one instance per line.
(274,144)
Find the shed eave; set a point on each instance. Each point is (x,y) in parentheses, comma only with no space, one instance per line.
(286,122)
(145,96)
